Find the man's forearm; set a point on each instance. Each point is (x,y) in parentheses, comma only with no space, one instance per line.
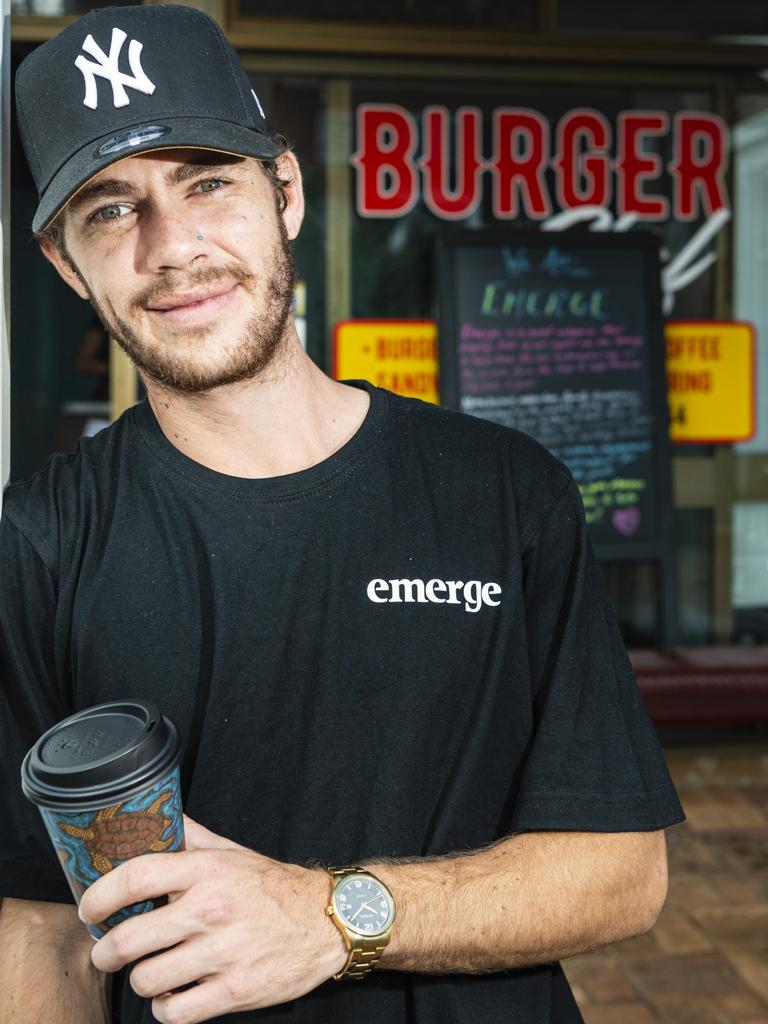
(46,972)
(533,898)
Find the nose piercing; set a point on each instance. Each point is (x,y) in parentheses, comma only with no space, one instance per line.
(200,238)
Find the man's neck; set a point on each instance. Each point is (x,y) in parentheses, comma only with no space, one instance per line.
(290,418)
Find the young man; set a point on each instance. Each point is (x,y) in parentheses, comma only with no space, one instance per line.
(378,625)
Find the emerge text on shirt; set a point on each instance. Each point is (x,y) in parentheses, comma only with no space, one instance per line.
(474,593)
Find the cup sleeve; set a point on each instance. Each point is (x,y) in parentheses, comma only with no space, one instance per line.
(595,763)
(30,702)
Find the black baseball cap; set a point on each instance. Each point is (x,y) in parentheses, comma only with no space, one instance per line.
(127,80)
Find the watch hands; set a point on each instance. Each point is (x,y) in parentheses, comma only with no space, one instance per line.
(361,907)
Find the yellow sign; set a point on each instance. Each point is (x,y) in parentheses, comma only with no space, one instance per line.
(400,355)
(710,381)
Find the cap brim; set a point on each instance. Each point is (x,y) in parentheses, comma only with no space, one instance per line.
(182,133)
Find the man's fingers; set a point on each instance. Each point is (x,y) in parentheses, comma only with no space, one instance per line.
(138,879)
(140,935)
(197,1004)
(160,974)
(197,837)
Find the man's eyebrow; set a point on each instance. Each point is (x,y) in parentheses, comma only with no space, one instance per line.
(193,168)
(112,188)
(116,188)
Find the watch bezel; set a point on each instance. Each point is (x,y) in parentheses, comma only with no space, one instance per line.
(351,927)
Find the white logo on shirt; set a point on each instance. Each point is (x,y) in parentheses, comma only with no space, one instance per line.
(107,67)
(474,593)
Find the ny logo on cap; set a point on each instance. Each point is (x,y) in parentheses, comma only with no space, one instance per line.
(107,67)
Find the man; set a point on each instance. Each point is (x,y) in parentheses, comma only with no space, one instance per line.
(378,625)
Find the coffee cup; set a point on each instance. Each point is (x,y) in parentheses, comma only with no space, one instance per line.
(106,782)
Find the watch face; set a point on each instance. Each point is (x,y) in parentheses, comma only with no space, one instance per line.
(363,905)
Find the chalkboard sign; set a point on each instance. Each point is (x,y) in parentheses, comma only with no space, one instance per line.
(561,336)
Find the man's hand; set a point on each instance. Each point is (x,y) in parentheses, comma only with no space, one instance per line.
(251,931)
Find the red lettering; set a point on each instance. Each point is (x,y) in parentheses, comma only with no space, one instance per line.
(703,347)
(634,165)
(464,199)
(387,178)
(582,176)
(679,381)
(514,130)
(699,169)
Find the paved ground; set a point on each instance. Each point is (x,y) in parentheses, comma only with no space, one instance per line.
(706,960)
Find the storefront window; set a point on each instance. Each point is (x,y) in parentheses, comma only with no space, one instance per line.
(750,572)
(660,19)
(478,13)
(52,400)
(387,269)
(57,8)
(296,108)
(393,256)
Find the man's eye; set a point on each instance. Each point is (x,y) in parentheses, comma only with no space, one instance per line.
(113,212)
(211,184)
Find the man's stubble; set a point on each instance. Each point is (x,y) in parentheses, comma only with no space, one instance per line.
(257,348)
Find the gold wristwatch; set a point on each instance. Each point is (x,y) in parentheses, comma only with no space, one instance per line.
(363,910)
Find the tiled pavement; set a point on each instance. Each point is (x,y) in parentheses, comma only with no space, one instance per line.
(706,959)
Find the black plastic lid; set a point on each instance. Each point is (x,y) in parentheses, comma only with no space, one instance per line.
(100,755)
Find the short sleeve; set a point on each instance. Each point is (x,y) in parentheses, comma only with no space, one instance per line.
(595,763)
(30,702)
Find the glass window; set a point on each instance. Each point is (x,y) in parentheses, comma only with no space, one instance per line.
(694,539)
(516,14)
(634,586)
(392,257)
(57,8)
(750,571)
(296,108)
(660,18)
(54,393)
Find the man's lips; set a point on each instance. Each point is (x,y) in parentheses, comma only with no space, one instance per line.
(191,307)
(181,299)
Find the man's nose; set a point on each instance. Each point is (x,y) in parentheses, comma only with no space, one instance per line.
(170,241)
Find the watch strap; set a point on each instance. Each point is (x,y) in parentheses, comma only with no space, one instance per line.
(349,870)
(362,959)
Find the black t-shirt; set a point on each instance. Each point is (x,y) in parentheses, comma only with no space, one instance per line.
(404,650)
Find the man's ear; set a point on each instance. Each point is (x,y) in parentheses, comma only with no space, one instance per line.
(52,252)
(293,214)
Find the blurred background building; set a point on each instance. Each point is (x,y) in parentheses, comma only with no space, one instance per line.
(609,116)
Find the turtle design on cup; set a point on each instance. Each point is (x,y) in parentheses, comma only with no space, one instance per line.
(113,836)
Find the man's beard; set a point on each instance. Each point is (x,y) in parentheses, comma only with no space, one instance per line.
(245,359)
